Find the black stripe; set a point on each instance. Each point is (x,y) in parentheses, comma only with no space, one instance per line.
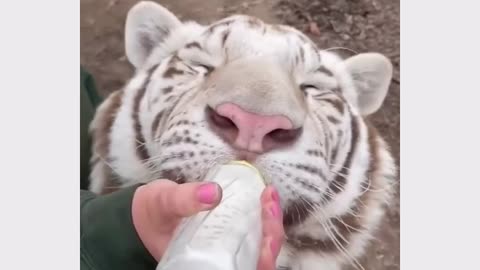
(167,90)
(225,35)
(333,120)
(311,169)
(337,104)
(140,148)
(172,71)
(155,123)
(323,69)
(337,184)
(193,45)
(296,212)
(160,116)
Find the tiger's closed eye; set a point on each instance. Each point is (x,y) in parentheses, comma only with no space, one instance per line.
(207,68)
(305,87)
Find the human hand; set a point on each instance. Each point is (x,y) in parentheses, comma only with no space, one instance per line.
(159,206)
(273,233)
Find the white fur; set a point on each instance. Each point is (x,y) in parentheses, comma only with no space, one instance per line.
(364,80)
(128,166)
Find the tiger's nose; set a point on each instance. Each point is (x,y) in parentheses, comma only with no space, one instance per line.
(252,132)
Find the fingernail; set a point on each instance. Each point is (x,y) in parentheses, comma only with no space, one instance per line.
(275,210)
(207,193)
(275,196)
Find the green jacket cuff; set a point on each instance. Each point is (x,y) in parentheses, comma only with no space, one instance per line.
(108,237)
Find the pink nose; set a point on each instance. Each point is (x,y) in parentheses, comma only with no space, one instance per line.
(252,132)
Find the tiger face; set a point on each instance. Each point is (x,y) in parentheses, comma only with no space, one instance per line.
(240,89)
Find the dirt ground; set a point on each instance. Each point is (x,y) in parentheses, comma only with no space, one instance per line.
(359,25)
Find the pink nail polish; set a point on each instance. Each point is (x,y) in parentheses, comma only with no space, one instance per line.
(275,210)
(275,196)
(207,193)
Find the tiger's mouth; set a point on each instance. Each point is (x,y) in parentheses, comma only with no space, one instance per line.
(246,155)
(174,175)
(294,212)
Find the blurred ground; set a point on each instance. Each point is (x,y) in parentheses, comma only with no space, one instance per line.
(359,25)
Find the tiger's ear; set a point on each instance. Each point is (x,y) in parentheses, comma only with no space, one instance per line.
(371,73)
(147,25)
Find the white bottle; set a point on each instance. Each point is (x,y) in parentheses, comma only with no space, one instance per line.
(229,236)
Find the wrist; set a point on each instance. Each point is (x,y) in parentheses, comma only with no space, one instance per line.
(108,235)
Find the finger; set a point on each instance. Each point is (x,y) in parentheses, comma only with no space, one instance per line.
(272,217)
(183,200)
(269,194)
(266,259)
(273,233)
(272,225)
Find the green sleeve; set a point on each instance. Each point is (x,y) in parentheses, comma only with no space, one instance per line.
(108,239)
(89,100)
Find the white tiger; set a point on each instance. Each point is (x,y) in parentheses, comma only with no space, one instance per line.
(243,89)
